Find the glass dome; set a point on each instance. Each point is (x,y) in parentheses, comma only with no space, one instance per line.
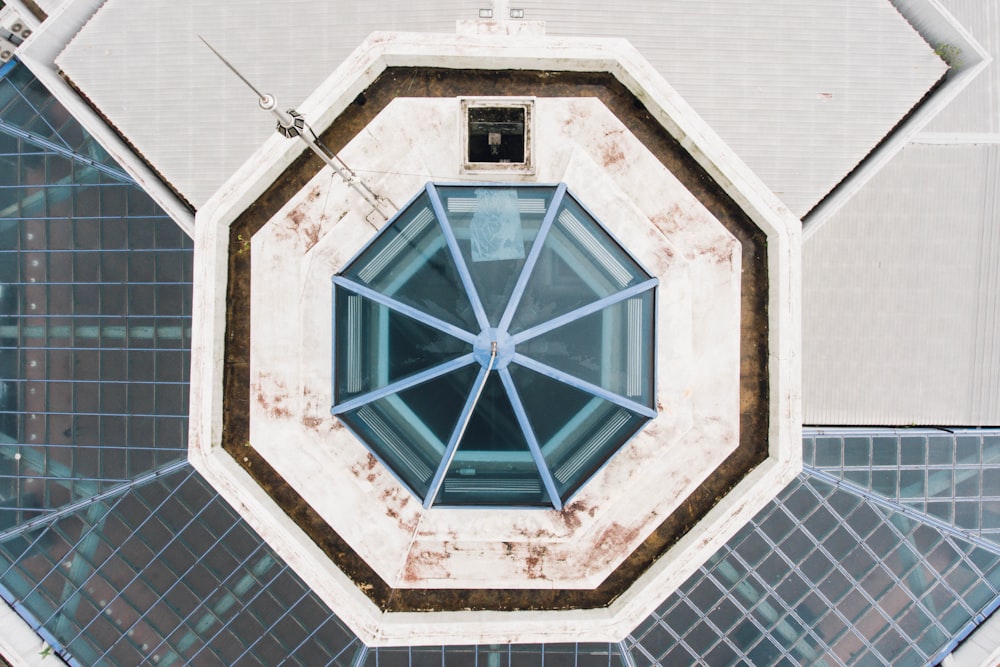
(494,345)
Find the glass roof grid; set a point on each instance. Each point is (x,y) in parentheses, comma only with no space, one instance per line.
(951,477)
(32,109)
(844,596)
(117,551)
(80,555)
(225,625)
(458,257)
(72,263)
(529,434)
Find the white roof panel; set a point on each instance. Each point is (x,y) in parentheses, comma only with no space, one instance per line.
(783,82)
(901,295)
(143,66)
(977,109)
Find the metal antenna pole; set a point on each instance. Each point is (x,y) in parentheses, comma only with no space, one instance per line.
(292,124)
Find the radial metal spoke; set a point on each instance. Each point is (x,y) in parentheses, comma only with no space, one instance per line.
(587,387)
(529,435)
(583,311)
(532,259)
(456,435)
(404,309)
(456,254)
(404,384)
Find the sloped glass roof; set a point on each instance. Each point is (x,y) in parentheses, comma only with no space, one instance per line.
(494,345)
(884,551)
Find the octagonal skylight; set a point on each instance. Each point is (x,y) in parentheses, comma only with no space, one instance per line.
(494,345)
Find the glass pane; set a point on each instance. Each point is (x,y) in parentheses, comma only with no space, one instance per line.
(577,432)
(495,228)
(579,264)
(410,261)
(612,348)
(493,465)
(377,345)
(408,431)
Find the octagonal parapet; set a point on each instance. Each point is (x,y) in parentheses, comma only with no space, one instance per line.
(726,401)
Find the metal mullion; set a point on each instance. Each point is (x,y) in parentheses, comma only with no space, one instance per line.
(870,601)
(156,555)
(404,384)
(73,551)
(65,510)
(38,113)
(98,414)
(900,508)
(529,434)
(57,478)
(274,623)
(583,311)
(532,258)
(768,590)
(456,436)
(71,381)
(162,596)
(457,257)
(404,309)
(174,647)
(243,607)
(750,571)
(587,387)
(310,635)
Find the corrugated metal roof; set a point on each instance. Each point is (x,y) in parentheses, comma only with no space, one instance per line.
(783,82)
(977,109)
(142,65)
(901,295)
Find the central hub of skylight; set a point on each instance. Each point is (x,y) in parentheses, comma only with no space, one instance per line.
(494,345)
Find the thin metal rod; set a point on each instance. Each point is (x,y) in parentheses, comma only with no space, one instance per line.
(235,71)
(287,121)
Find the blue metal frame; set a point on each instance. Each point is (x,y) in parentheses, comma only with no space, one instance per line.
(593,389)
(456,254)
(583,311)
(404,384)
(382,230)
(532,258)
(529,434)
(403,309)
(456,438)
(559,194)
